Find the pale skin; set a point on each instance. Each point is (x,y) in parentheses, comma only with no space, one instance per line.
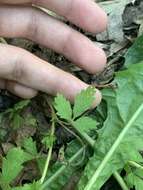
(24,74)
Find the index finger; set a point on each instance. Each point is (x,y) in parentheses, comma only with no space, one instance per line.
(84,13)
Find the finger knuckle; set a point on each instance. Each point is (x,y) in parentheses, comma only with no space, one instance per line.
(18,69)
(33,24)
(69,9)
(65,44)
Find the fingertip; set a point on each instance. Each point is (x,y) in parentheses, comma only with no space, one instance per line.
(20,90)
(98,20)
(98,62)
(103,22)
(98,96)
(28,95)
(92,59)
(76,86)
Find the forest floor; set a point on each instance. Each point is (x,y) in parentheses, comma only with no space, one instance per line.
(125,26)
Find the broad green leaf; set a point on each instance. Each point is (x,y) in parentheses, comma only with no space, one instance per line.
(135,53)
(63,107)
(84,124)
(30,146)
(83,101)
(122,103)
(13,164)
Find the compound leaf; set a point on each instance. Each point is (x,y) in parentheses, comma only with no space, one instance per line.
(84,124)
(12,164)
(63,107)
(83,101)
(30,146)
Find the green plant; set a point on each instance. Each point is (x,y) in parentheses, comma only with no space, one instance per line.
(70,117)
(15,117)
(97,152)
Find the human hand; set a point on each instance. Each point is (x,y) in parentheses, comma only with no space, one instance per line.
(24,74)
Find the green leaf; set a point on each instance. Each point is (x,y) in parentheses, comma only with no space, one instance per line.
(17,121)
(41,163)
(135,53)
(13,164)
(48,140)
(84,124)
(3,185)
(83,101)
(122,103)
(63,107)
(59,174)
(20,105)
(30,146)
(134,179)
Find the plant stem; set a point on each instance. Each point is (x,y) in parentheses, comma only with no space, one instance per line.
(120,181)
(61,170)
(117,176)
(70,131)
(85,136)
(136,165)
(88,139)
(49,154)
(95,176)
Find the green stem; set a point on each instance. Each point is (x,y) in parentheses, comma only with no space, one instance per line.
(95,176)
(70,131)
(49,155)
(63,124)
(85,136)
(117,176)
(88,139)
(61,170)
(136,165)
(120,181)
